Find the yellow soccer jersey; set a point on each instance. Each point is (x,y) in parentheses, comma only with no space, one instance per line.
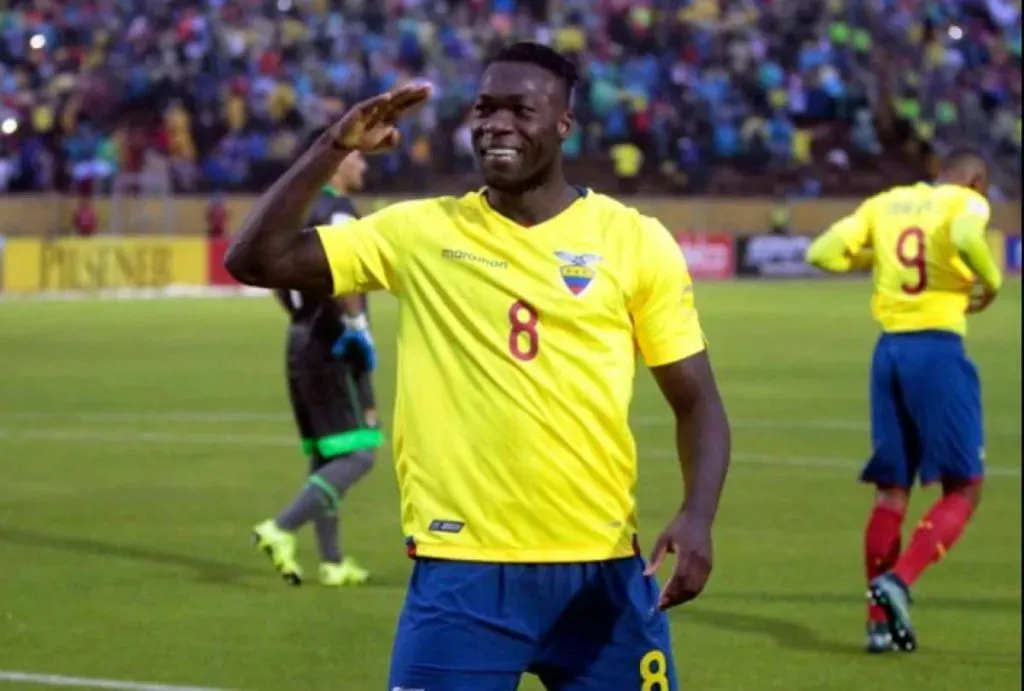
(921,281)
(516,357)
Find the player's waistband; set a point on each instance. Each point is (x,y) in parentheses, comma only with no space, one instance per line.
(553,554)
(924,335)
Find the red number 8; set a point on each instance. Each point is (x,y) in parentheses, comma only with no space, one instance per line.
(913,257)
(520,327)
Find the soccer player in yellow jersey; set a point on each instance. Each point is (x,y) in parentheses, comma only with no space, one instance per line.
(521,310)
(932,266)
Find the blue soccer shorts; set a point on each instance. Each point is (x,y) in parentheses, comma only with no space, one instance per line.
(926,419)
(470,626)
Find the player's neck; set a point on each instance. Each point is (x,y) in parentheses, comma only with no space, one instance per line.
(533,206)
(948,180)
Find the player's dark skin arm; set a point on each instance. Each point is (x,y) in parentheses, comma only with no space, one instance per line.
(282,299)
(703,440)
(272,249)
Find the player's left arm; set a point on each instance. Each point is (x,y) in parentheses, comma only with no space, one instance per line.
(672,343)
(845,246)
(968,233)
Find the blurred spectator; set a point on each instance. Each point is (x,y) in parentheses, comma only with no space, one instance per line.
(627,159)
(216,217)
(780,217)
(225,91)
(84,218)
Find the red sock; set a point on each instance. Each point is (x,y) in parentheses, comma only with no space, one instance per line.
(882,545)
(936,533)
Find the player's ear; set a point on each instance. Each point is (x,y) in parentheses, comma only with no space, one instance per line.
(565,123)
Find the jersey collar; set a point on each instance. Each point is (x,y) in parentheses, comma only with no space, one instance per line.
(562,217)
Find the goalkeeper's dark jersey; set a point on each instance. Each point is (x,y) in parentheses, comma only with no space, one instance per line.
(316,321)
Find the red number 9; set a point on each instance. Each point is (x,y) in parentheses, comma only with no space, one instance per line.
(910,250)
(523,330)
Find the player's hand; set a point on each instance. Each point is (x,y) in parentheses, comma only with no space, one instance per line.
(356,344)
(369,126)
(981,297)
(689,539)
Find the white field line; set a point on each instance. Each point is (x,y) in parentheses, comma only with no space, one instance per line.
(640,422)
(816,462)
(7,676)
(132,436)
(807,424)
(133,294)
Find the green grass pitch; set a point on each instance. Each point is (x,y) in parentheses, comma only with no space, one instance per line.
(140,441)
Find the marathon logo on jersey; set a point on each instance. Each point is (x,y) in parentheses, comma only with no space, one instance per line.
(464,256)
(440,526)
(1013,254)
(578,271)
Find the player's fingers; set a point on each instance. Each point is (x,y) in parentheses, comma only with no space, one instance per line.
(694,577)
(373,110)
(392,139)
(407,99)
(388,140)
(661,548)
(671,593)
(677,590)
(412,94)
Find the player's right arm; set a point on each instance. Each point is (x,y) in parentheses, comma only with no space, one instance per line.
(272,249)
(846,245)
(284,298)
(350,304)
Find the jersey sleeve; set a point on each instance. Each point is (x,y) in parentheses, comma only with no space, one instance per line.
(366,254)
(665,320)
(839,248)
(967,231)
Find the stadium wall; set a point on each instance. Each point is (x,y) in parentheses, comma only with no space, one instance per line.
(151,267)
(41,215)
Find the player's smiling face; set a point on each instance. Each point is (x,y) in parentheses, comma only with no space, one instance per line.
(517,123)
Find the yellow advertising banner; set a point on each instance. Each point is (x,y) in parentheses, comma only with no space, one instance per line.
(104,263)
(21,265)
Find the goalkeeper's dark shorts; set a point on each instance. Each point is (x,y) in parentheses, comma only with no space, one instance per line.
(334,410)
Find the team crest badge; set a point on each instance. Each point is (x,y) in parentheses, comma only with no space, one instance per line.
(578,271)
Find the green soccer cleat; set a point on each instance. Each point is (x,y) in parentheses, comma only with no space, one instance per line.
(280,547)
(892,595)
(879,638)
(347,573)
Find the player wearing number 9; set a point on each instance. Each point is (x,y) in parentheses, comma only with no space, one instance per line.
(521,310)
(932,265)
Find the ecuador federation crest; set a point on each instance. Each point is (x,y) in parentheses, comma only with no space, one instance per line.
(578,271)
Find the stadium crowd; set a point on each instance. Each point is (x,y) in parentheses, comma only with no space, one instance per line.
(694,95)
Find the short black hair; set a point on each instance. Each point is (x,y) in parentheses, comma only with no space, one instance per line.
(964,155)
(542,56)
